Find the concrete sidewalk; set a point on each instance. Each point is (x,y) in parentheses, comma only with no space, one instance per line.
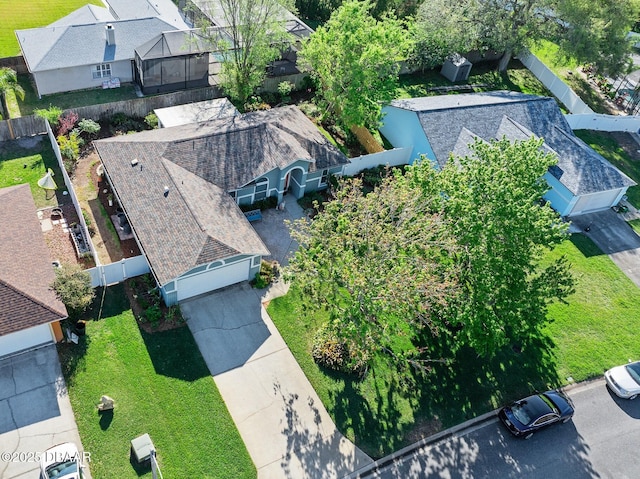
(283,423)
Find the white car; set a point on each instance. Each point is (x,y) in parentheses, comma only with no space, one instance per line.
(624,381)
(61,462)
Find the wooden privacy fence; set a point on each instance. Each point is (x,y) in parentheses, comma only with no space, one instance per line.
(21,127)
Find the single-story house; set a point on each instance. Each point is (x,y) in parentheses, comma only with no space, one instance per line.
(581,182)
(95,46)
(30,312)
(180,188)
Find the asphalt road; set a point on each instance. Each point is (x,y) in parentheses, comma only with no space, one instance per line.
(601,442)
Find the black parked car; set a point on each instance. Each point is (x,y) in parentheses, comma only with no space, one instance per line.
(527,415)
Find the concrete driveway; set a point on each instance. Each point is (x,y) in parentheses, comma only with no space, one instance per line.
(35,412)
(611,233)
(283,423)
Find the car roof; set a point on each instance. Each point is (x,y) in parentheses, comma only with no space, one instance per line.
(535,406)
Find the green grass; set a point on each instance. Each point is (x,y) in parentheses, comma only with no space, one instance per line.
(74,99)
(517,78)
(31,14)
(595,331)
(598,328)
(21,165)
(566,68)
(161,386)
(608,147)
(635,224)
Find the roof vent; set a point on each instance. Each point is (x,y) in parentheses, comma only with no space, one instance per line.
(111,34)
(166,191)
(134,162)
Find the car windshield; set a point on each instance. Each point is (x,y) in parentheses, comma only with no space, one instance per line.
(634,371)
(61,469)
(521,412)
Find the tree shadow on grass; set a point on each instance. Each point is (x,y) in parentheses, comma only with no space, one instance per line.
(174,353)
(401,413)
(587,247)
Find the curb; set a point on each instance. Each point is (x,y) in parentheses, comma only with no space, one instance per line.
(447,433)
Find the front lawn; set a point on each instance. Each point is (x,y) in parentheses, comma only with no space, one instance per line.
(19,164)
(605,144)
(32,14)
(381,414)
(161,386)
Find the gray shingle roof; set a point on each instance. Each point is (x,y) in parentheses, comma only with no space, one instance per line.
(26,272)
(68,46)
(197,221)
(131,9)
(579,167)
(172,44)
(84,15)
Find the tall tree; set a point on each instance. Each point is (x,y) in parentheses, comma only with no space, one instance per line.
(590,31)
(355,61)
(73,287)
(502,228)
(376,263)
(8,82)
(254,35)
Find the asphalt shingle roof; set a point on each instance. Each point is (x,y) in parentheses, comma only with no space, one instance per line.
(68,46)
(198,221)
(26,272)
(444,117)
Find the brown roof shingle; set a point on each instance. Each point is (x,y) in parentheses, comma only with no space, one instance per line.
(26,272)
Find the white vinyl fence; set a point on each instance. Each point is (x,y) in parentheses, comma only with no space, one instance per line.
(103,275)
(559,88)
(395,157)
(598,122)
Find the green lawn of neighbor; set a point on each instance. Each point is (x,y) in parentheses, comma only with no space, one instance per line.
(566,68)
(597,330)
(608,147)
(21,165)
(20,15)
(161,386)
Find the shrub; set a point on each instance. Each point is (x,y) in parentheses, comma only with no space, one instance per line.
(267,203)
(267,274)
(255,103)
(89,127)
(284,89)
(124,124)
(69,146)
(151,120)
(334,353)
(73,287)
(153,314)
(373,176)
(51,115)
(67,122)
(310,109)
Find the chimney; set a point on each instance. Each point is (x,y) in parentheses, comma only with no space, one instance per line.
(111,34)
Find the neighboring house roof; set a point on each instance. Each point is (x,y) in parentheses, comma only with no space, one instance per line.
(444,117)
(136,9)
(195,112)
(197,221)
(52,48)
(84,15)
(26,271)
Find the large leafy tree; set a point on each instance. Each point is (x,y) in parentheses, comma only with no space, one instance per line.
(502,229)
(355,61)
(8,82)
(378,264)
(590,31)
(254,35)
(433,261)
(73,287)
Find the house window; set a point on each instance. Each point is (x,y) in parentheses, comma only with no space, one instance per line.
(261,190)
(325,177)
(102,71)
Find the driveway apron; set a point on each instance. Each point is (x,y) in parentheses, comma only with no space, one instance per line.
(35,412)
(283,423)
(613,235)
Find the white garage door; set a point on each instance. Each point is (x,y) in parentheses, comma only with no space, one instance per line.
(213,279)
(25,339)
(594,202)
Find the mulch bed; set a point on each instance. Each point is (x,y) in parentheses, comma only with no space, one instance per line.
(137,291)
(60,243)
